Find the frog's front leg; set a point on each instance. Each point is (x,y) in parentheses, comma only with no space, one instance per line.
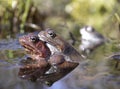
(61,63)
(60,68)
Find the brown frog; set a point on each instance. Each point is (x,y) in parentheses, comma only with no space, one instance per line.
(57,43)
(44,66)
(64,57)
(39,53)
(60,66)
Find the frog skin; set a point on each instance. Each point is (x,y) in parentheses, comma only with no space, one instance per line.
(34,46)
(59,66)
(39,54)
(57,43)
(64,57)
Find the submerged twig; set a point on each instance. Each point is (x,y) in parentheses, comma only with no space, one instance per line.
(34,26)
(72,38)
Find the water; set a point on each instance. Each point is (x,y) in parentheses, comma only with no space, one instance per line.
(96,72)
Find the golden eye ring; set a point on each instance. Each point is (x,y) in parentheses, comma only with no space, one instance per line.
(34,39)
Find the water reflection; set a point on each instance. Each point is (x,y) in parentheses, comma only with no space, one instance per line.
(95,73)
(11,44)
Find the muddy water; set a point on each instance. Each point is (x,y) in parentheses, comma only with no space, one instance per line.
(96,72)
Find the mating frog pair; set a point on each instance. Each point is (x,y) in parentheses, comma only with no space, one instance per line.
(51,57)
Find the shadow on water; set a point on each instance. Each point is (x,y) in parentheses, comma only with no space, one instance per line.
(96,72)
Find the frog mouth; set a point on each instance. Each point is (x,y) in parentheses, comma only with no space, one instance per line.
(29,49)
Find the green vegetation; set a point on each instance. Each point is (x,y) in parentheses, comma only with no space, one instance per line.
(64,16)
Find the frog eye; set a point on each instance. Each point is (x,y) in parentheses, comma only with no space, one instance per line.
(89,29)
(52,34)
(34,39)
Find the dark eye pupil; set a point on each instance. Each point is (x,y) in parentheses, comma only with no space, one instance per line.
(34,39)
(52,34)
